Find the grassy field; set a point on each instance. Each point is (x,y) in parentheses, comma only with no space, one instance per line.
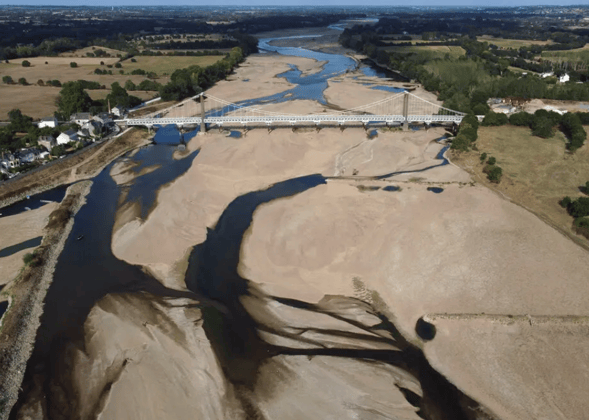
(435,50)
(576,55)
(102,93)
(511,43)
(537,172)
(35,101)
(167,65)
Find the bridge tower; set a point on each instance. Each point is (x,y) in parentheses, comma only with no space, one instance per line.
(203,126)
(405,111)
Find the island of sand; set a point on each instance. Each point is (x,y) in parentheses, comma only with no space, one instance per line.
(327,285)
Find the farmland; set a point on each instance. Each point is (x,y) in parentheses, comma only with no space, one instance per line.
(434,50)
(512,43)
(166,65)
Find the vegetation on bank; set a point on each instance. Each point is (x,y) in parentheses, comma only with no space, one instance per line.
(579,209)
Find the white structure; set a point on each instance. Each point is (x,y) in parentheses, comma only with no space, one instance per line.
(67,137)
(48,122)
(90,129)
(81,118)
(43,155)
(119,111)
(547,74)
(564,78)
(48,142)
(9,161)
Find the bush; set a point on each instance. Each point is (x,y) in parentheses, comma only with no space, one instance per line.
(583,117)
(118,65)
(579,207)
(22,81)
(98,71)
(8,80)
(28,258)
(483,157)
(572,127)
(521,119)
(494,174)
(73,64)
(58,151)
(495,119)
(542,127)
(565,202)
(460,143)
(133,60)
(581,226)
(102,63)
(40,82)
(26,63)
(469,132)
(492,161)
(139,72)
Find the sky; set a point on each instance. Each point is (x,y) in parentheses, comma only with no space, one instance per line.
(392,3)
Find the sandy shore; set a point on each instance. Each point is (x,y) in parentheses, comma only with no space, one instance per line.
(18,229)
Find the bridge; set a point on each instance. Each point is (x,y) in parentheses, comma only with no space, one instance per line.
(400,109)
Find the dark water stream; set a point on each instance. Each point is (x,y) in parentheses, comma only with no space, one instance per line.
(87,270)
(35,201)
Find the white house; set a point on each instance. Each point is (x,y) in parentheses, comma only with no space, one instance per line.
(119,111)
(43,155)
(564,78)
(48,142)
(67,137)
(547,74)
(81,118)
(48,122)
(9,161)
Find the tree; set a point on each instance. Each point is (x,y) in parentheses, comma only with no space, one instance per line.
(129,85)
(565,202)
(73,98)
(542,127)
(118,65)
(495,119)
(492,161)
(8,80)
(26,63)
(73,64)
(483,157)
(22,81)
(40,82)
(579,207)
(521,119)
(58,150)
(19,121)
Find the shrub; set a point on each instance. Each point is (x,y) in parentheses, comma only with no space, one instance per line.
(46,62)
(22,81)
(581,226)
(98,71)
(565,202)
(139,71)
(579,207)
(26,63)
(494,174)
(492,161)
(58,150)
(469,132)
(109,66)
(73,64)
(483,157)
(521,119)
(583,117)
(460,143)
(102,63)
(8,80)
(118,65)
(133,60)
(40,82)
(28,258)
(495,119)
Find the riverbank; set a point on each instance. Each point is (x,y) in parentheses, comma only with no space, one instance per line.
(21,322)
(84,165)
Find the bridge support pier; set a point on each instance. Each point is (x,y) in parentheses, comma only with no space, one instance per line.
(405,111)
(203,126)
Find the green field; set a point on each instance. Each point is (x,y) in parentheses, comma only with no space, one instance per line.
(577,55)
(511,43)
(162,65)
(435,51)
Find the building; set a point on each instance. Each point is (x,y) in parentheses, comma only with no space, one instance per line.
(564,78)
(119,111)
(48,142)
(48,122)
(28,155)
(547,74)
(81,118)
(67,137)
(9,161)
(90,129)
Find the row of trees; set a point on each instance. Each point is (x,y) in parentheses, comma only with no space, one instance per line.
(579,209)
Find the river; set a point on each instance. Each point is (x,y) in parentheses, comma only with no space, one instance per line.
(87,270)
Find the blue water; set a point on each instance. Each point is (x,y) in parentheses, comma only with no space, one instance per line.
(435,190)
(3,307)
(391,188)
(35,201)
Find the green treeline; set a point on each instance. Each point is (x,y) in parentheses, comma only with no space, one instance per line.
(193,80)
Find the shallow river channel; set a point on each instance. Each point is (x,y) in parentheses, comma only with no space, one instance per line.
(87,271)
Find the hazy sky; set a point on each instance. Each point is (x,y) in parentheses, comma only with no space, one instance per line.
(294,2)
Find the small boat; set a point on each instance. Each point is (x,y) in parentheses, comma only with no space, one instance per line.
(79,238)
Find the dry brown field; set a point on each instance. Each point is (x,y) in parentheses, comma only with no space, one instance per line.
(511,43)
(537,172)
(102,93)
(35,101)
